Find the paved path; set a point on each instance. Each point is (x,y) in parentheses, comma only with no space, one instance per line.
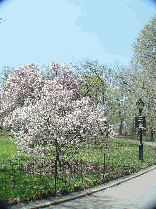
(135,193)
(153,144)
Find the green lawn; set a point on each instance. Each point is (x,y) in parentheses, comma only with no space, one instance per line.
(121,158)
(7,148)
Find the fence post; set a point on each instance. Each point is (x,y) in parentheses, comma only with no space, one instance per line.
(104,164)
(56,159)
(81,171)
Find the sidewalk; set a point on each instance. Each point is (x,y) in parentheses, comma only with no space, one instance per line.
(153,144)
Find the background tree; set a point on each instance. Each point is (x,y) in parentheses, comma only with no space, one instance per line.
(3,20)
(144,49)
(99,78)
(145,89)
(4,76)
(95,88)
(105,86)
(126,106)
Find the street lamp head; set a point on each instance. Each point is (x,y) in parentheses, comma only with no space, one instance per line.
(141,105)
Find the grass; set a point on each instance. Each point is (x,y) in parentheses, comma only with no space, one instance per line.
(6,132)
(7,149)
(121,158)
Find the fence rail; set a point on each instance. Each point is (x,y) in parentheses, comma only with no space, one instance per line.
(57,177)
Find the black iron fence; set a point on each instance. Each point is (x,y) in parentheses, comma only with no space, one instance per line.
(99,162)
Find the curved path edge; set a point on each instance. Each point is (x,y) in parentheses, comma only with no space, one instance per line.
(75,195)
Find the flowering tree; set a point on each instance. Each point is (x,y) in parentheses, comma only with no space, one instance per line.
(53,112)
(22,86)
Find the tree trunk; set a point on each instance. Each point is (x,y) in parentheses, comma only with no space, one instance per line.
(121,127)
(151,136)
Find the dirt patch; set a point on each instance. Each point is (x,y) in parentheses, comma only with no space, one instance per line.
(65,168)
(68,168)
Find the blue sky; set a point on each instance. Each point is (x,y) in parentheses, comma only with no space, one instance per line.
(70,30)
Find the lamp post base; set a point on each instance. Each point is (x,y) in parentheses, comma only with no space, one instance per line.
(141,152)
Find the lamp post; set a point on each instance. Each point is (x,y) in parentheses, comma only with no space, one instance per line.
(141,105)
